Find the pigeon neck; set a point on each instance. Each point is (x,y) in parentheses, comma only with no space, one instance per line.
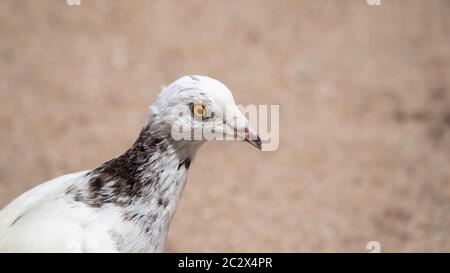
(151,172)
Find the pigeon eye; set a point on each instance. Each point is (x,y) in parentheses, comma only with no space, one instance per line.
(199,110)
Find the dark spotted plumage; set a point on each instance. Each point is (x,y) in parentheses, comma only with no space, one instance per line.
(185,163)
(124,179)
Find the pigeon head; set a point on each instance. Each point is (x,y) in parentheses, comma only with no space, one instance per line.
(198,109)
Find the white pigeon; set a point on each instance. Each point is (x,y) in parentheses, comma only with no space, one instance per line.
(126,204)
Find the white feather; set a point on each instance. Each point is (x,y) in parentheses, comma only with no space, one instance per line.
(45,219)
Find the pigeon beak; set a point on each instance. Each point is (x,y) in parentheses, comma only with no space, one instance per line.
(252,137)
(255,142)
(243,130)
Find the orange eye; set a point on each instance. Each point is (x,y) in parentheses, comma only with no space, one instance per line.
(199,110)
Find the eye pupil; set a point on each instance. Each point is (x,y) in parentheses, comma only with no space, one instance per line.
(199,110)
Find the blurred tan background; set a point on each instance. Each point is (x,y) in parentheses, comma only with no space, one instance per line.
(364,101)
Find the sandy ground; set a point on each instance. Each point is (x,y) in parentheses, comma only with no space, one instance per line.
(364,101)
